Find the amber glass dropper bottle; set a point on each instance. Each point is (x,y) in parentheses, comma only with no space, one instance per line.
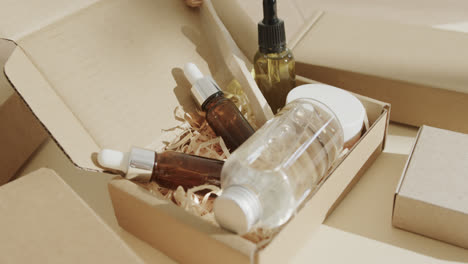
(274,65)
(169,169)
(222,114)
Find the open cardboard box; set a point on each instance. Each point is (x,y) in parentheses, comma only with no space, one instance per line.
(420,70)
(107,74)
(20,132)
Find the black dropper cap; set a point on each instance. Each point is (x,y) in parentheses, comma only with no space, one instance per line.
(271,33)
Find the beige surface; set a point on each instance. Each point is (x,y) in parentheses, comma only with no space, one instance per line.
(422,12)
(359,230)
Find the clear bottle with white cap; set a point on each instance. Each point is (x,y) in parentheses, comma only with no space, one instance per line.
(269,176)
(169,169)
(222,114)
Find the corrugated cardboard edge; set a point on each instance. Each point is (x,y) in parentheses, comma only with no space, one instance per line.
(15,68)
(453,233)
(21,132)
(130,199)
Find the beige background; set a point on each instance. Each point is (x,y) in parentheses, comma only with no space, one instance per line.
(359,230)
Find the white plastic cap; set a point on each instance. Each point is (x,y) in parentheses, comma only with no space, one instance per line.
(203,87)
(237,209)
(348,109)
(136,164)
(192,73)
(113,159)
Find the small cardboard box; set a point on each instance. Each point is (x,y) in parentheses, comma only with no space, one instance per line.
(20,132)
(107,73)
(420,71)
(432,196)
(44,221)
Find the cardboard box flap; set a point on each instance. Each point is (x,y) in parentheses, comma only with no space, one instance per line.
(388,50)
(110,75)
(44,221)
(51,110)
(20,132)
(6,48)
(19,18)
(438,169)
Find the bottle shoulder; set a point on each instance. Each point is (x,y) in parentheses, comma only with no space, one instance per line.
(286,54)
(213,100)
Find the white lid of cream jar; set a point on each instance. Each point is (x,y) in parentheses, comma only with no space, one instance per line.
(349,110)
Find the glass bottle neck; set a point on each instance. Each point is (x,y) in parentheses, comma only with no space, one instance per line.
(212,101)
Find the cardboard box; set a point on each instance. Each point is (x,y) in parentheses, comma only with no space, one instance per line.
(96,79)
(419,70)
(432,197)
(187,238)
(20,132)
(44,221)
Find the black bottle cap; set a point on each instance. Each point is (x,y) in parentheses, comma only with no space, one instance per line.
(271,33)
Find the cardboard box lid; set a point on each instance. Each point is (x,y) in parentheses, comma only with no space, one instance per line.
(432,197)
(44,221)
(109,75)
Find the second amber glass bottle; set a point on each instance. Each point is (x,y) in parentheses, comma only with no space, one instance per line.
(274,65)
(222,114)
(169,169)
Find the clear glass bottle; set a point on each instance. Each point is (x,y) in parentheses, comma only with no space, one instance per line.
(274,64)
(271,174)
(222,114)
(169,169)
